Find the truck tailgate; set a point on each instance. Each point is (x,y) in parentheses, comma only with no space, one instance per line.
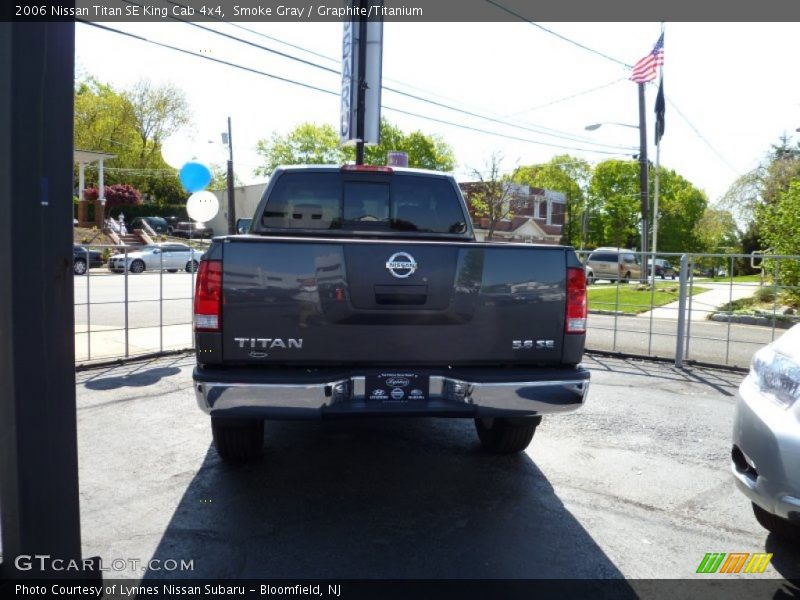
(323,301)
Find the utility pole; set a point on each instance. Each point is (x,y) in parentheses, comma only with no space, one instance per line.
(643,178)
(232,230)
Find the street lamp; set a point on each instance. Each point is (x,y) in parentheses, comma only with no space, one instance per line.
(596,126)
(643,167)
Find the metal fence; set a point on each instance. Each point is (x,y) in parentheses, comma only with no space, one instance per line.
(708,308)
(142,306)
(714,310)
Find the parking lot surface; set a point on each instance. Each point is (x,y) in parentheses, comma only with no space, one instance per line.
(635,484)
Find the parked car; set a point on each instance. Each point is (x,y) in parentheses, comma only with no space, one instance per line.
(765,458)
(192,230)
(157,224)
(663,268)
(166,256)
(171,222)
(361,292)
(80,255)
(614,264)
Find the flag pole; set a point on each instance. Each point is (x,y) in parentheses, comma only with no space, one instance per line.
(656,189)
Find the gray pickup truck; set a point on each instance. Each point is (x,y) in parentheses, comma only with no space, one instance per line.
(362,291)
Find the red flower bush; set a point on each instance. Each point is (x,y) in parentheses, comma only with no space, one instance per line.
(119,194)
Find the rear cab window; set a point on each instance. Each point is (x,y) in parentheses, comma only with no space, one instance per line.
(369,203)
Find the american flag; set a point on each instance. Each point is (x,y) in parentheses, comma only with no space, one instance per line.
(645,70)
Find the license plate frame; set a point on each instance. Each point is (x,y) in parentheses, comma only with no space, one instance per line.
(397,386)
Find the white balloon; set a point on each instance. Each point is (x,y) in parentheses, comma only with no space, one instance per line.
(176,151)
(183,147)
(202,206)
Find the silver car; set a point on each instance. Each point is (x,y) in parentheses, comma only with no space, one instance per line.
(169,257)
(766,436)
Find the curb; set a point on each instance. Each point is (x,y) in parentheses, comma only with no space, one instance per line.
(777,321)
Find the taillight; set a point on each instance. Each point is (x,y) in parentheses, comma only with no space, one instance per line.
(367,168)
(576,301)
(208,296)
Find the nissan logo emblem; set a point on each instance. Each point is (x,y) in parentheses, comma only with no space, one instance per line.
(401,265)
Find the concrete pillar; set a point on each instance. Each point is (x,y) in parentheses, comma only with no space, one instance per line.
(83,207)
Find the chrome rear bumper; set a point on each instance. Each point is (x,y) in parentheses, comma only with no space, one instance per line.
(448,396)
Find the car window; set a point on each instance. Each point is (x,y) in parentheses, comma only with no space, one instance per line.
(603,256)
(366,204)
(399,202)
(302,201)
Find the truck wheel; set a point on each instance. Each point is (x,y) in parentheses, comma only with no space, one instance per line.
(505,436)
(238,439)
(780,527)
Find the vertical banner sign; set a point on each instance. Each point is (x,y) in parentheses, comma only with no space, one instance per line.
(351,76)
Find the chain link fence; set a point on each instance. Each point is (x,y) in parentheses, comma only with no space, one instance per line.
(708,308)
(132,301)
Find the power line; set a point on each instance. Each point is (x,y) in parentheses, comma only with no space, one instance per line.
(338,61)
(558,35)
(494,133)
(619,62)
(333,93)
(541,130)
(570,97)
(705,141)
(211,58)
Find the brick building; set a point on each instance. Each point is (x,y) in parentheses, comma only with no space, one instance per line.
(537,215)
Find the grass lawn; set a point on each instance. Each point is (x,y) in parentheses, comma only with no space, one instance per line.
(736,279)
(634,299)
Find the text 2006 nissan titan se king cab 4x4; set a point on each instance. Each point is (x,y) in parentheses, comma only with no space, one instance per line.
(362,291)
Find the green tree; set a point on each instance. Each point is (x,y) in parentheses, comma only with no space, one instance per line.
(680,207)
(219,177)
(158,112)
(309,143)
(492,193)
(780,222)
(130,124)
(570,176)
(763,185)
(424,151)
(616,208)
(717,231)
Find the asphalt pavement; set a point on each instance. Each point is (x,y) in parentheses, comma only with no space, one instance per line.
(636,484)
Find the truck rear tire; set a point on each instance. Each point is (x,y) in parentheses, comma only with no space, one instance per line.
(238,439)
(781,527)
(505,436)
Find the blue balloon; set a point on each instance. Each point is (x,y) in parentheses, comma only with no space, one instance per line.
(195,176)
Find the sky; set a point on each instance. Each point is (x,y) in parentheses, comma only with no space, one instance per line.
(732,88)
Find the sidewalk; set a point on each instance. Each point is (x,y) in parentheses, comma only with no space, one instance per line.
(109,343)
(706,303)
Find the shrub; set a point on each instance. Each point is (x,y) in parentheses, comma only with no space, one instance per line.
(765,294)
